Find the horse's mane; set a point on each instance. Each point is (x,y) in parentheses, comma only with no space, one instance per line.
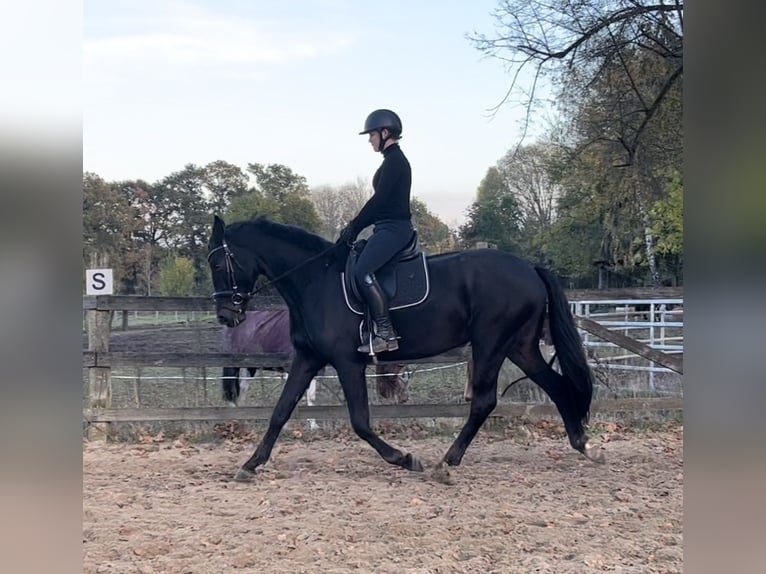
(291,233)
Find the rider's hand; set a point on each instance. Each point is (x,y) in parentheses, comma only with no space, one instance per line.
(347,236)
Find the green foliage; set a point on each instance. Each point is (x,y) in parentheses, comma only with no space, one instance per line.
(279,194)
(223,182)
(531,174)
(617,73)
(278,182)
(176,276)
(433,234)
(668,216)
(576,236)
(108,221)
(495,216)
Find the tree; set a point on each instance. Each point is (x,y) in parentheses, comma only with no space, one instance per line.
(177,276)
(495,216)
(575,242)
(278,182)
(668,216)
(434,236)
(222,183)
(141,258)
(186,216)
(280,194)
(108,220)
(182,201)
(336,206)
(169,215)
(530,173)
(578,44)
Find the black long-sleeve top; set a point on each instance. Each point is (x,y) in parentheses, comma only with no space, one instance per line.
(391,184)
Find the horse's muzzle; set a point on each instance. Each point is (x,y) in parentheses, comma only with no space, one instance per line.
(231,317)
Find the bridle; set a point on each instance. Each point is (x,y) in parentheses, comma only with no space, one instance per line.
(238,298)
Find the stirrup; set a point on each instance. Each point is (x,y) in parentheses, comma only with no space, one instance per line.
(379,346)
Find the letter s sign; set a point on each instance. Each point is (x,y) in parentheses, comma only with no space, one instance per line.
(98,282)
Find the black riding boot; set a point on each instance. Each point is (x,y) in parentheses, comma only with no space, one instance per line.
(385,337)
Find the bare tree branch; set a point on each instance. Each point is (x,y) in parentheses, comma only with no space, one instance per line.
(585,44)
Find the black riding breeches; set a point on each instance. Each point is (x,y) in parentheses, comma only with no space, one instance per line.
(388,238)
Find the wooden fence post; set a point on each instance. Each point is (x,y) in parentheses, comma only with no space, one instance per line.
(99,378)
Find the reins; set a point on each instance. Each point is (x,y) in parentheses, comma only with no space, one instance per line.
(270,282)
(550,365)
(237,297)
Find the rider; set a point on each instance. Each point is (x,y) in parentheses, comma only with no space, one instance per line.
(389,210)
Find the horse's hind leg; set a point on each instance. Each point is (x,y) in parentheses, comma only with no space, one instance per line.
(244,383)
(352,381)
(529,359)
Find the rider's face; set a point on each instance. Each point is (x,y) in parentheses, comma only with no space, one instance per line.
(374,139)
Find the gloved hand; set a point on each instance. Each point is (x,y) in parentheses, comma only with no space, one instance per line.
(347,236)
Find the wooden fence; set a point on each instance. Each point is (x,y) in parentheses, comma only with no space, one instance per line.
(99,360)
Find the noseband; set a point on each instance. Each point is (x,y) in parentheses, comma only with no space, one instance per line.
(237,298)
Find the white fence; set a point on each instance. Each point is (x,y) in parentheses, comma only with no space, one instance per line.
(655,322)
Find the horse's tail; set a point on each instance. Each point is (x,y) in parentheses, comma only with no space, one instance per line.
(568,345)
(230,385)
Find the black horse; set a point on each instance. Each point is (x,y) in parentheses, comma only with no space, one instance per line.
(491,299)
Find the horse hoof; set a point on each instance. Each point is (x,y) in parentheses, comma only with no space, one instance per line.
(442,474)
(414,464)
(243,475)
(593,454)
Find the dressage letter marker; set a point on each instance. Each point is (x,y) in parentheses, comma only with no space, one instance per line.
(98,282)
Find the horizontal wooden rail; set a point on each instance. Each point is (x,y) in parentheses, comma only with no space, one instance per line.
(260,360)
(143,303)
(135,359)
(673,362)
(624,293)
(339,412)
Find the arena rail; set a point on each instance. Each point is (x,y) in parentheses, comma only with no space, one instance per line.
(99,360)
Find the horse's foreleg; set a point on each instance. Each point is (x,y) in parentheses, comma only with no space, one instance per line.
(301,373)
(230,385)
(353,383)
(311,399)
(468,389)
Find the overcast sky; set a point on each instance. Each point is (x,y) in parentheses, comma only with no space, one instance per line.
(168,83)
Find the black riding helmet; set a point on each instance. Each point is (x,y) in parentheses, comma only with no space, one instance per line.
(380,119)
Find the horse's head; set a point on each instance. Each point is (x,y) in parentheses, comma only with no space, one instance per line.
(233,277)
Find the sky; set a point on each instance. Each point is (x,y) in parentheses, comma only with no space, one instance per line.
(167,83)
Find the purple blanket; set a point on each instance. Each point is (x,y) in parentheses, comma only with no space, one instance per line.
(262,332)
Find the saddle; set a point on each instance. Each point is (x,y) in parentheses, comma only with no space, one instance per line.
(404,280)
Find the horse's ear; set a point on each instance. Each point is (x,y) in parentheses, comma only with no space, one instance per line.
(218,226)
